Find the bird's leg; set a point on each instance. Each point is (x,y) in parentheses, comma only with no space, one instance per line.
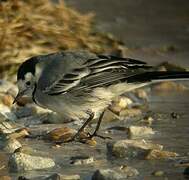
(97,128)
(91,116)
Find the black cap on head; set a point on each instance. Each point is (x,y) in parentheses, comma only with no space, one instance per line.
(27,66)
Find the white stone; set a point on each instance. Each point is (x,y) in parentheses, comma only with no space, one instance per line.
(7,113)
(10,145)
(19,162)
(108,174)
(82,160)
(140,131)
(131,148)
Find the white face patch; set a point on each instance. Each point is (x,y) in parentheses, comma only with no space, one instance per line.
(28,76)
(38,70)
(22,82)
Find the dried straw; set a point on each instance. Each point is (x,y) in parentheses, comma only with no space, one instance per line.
(30,27)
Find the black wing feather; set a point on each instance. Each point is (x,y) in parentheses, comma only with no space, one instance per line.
(96,72)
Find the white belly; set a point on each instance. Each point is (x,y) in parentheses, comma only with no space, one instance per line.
(74,106)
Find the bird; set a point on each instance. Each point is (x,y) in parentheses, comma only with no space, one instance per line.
(81,85)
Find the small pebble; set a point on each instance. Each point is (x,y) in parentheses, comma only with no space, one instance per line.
(141,94)
(158,173)
(10,145)
(60,135)
(148,120)
(130,171)
(110,116)
(20,133)
(56,146)
(91,142)
(6,128)
(7,100)
(159,154)
(169,86)
(140,131)
(174,115)
(79,160)
(130,112)
(7,113)
(120,103)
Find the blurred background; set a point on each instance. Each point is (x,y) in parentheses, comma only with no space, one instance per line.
(150,30)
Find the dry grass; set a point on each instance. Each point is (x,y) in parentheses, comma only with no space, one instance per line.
(30,27)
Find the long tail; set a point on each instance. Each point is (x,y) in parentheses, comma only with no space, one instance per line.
(158,76)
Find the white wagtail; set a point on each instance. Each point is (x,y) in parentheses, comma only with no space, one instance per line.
(81,85)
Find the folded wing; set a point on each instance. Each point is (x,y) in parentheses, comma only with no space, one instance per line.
(97,72)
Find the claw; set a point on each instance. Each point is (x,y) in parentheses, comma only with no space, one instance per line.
(98,135)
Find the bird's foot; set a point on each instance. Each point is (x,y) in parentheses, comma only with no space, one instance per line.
(90,136)
(83,137)
(79,136)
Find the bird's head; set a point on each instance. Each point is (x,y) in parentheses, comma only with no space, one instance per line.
(26,78)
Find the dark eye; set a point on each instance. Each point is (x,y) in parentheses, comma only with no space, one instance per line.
(28,83)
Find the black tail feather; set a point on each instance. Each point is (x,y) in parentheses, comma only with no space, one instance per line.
(158,76)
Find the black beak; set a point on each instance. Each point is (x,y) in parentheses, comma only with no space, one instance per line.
(18,96)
